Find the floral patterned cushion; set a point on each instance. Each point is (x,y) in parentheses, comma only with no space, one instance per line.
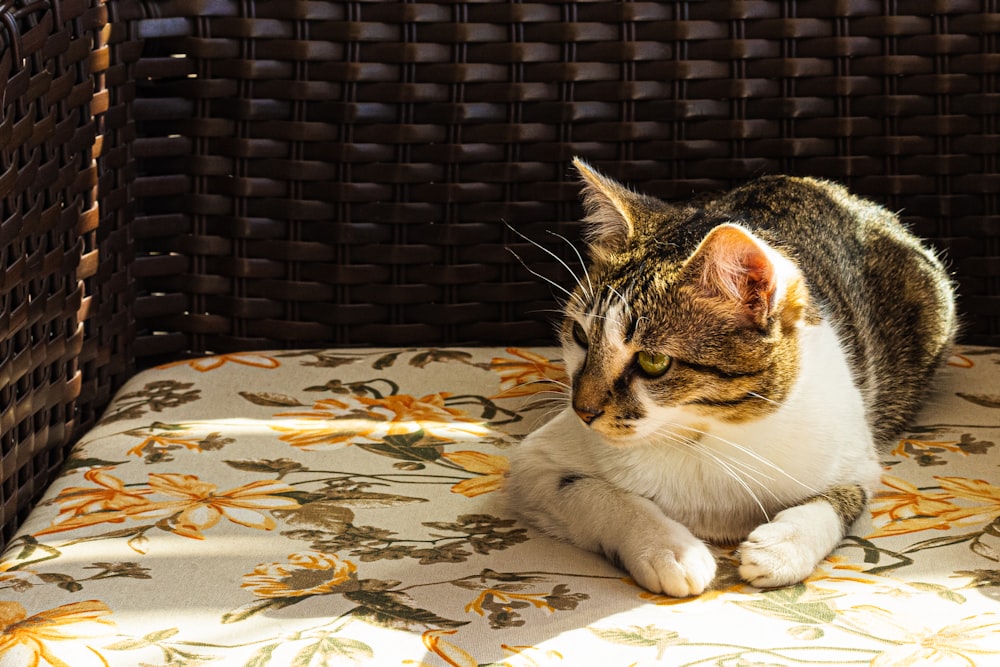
(330,507)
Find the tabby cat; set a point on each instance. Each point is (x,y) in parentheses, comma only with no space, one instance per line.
(736,367)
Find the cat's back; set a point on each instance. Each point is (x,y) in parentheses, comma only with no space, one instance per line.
(888,296)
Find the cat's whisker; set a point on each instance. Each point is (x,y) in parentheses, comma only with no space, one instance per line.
(541,311)
(765,398)
(560,387)
(554,256)
(751,471)
(571,295)
(698,449)
(547,412)
(742,482)
(563,387)
(757,457)
(550,407)
(557,399)
(586,271)
(595,316)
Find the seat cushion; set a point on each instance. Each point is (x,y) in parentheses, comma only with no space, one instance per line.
(322,507)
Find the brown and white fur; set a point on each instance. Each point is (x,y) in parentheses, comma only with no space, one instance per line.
(799,326)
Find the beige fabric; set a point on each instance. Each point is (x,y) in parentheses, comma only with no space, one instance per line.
(337,507)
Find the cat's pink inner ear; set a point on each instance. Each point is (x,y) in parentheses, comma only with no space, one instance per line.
(739,268)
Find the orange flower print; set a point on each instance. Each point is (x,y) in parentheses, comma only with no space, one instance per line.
(525,656)
(661,600)
(985,495)
(429,414)
(528,374)
(456,656)
(339,421)
(109,502)
(838,568)
(907,445)
(205,364)
(960,361)
(909,509)
(453,655)
(200,506)
(905,500)
(491,469)
(960,643)
(331,422)
(303,575)
(537,600)
(161,442)
(52,637)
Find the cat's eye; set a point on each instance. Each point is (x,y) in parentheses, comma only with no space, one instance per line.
(579,335)
(653,364)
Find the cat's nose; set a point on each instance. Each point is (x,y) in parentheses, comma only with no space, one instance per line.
(587,416)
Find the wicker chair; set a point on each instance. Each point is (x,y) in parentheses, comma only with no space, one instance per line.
(192,177)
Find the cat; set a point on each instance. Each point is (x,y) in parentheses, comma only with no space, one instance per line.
(736,367)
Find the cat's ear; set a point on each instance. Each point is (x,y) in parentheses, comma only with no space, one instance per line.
(611,209)
(742,271)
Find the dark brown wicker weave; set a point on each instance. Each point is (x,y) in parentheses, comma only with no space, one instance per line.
(186,176)
(65,147)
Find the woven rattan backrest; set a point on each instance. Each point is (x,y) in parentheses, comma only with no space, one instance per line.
(343,172)
(189,176)
(60,162)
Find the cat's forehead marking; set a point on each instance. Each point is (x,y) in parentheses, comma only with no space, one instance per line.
(613,319)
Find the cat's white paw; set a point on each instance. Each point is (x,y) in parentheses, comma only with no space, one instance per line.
(679,567)
(777,554)
(788,549)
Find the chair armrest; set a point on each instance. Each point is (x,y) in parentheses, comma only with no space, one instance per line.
(65,178)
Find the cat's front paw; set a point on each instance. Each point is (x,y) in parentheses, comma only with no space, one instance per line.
(777,554)
(679,568)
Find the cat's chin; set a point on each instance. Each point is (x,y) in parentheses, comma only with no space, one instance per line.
(622,438)
(638,436)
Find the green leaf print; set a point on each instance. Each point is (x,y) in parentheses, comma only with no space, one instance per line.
(648,635)
(406,447)
(392,608)
(982,400)
(246,611)
(786,603)
(270,399)
(330,651)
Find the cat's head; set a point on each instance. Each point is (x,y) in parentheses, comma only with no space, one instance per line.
(684,316)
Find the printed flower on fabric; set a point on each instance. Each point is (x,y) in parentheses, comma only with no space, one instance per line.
(528,373)
(964,642)
(335,422)
(909,509)
(205,364)
(303,575)
(456,656)
(837,568)
(14,576)
(194,506)
(55,636)
(490,467)
(109,500)
(669,601)
(199,506)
